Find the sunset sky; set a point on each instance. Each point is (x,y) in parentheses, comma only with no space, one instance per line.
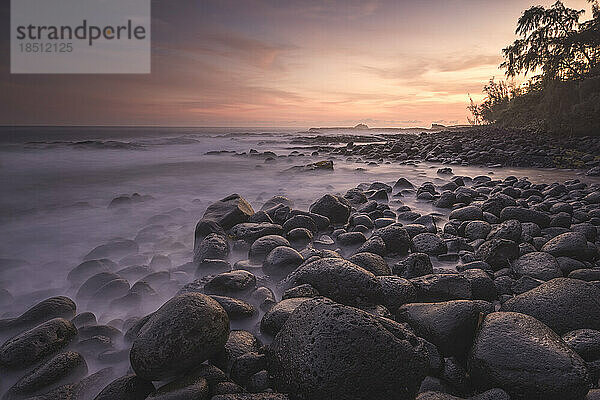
(286,63)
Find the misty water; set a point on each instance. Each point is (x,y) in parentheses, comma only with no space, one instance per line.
(57,185)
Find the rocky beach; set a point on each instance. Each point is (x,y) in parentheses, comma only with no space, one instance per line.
(277,264)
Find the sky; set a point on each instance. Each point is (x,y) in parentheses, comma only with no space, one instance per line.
(282,63)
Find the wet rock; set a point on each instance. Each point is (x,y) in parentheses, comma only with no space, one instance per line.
(236,309)
(238,343)
(115,249)
(373,263)
(327,350)
(263,246)
(276,200)
(32,346)
(83,319)
(538,265)
(251,396)
(93,284)
(498,253)
(449,325)
(235,283)
(477,230)
(563,304)
(413,266)
(588,275)
(89,331)
(442,287)
(304,290)
(585,342)
(521,355)
(336,208)
(374,245)
(338,279)
(281,261)
(570,244)
(482,286)
(263,297)
(429,243)
(273,320)
(229,211)
(128,387)
(525,215)
(403,183)
(396,239)
(54,307)
(185,331)
(468,213)
(396,291)
(300,237)
(351,239)
(187,387)
(213,247)
(249,231)
(63,368)
(87,269)
(300,221)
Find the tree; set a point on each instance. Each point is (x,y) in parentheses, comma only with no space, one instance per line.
(553,41)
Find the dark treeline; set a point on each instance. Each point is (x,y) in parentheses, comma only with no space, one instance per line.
(563,97)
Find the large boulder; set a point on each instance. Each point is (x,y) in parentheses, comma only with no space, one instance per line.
(281,261)
(250,231)
(450,325)
(274,319)
(329,351)
(338,279)
(525,215)
(263,246)
(128,387)
(396,238)
(442,287)
(34,345)
(563,304)
(336,208)
(184,332)
(569,244)
(68,367)
(54,307)
(229,211)
(538,265)
(523,356)
(212,247)
(371,262)
(498,253)
(429,243)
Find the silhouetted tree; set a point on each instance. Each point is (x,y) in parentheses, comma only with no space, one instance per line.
(553,41)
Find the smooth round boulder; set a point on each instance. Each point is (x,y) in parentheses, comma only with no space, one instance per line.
(213,247)
(184,332)
(563,304)
(521,355)
(229,211)
(442,287)
(395,237)
(65,367)
(429,243)
(413,266)
(373,263)
(274,319)
(34,345)
(450,325)
(538,265)
(326,350)
(54,307)
(396,291)
(525,215)
(336,208)
(569,244)
(263,246)
(338,279)
(233,283)
(281,261)
(468,213)
(128,387)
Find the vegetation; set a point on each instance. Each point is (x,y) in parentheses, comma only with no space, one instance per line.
(563,97)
